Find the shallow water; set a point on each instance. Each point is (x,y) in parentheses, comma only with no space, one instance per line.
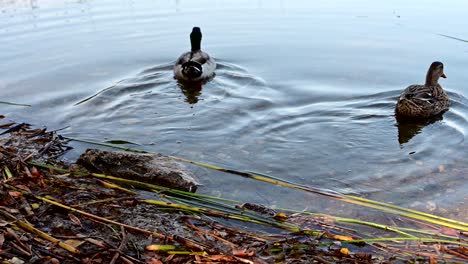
(303,91)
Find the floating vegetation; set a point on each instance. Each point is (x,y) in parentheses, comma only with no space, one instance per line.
(447,36)
(10,103)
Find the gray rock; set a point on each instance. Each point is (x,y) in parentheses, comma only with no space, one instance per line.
(151,168)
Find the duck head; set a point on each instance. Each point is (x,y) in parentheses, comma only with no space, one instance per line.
(436,70)
(192,69)
(195,39)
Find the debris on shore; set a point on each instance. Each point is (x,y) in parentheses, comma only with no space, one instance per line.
(56,212)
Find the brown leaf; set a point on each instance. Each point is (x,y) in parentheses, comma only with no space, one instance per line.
(75,220)
(6,125)
(96,242)
(449,231)
(243,252)
(222,258)
(35,172)
(74,243)
(154,261)
(169,258)
(15,194)
(10,210)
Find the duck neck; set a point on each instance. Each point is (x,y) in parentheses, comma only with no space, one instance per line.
(431,79)
(195,41)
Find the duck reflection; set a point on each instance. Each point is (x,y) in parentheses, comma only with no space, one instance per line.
(191,91)
(408,128)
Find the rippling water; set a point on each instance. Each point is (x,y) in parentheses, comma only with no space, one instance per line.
(304,91)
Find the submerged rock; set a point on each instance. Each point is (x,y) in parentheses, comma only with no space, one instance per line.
(151,168)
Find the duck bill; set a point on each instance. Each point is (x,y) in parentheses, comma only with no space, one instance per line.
(443,75)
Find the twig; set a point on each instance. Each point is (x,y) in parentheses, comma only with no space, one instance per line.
(27,227)
(15,128)
(229,243)
(187,242)
(103,201)
(453,252)
(121,246)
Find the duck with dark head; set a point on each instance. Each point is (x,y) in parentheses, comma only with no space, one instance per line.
(194,66)
(424,101)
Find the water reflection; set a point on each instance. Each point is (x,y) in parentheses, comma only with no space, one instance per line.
(407,129)
(191,91)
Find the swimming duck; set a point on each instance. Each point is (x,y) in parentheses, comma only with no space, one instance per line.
(194,65)
(424,101)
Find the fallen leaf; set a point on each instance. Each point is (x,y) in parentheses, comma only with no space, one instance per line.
(344,251)
(343,238)
(169,258)
(6,125)
(15,194)
(222,258)
(96,242)
(35,172)
(74,243)
(154,261)
(449,231)
(75,220)
(243,252)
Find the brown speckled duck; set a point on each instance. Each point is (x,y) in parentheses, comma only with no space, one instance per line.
(194,65)
(424,101)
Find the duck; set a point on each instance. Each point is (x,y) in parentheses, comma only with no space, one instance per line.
(424,101)
(195,65)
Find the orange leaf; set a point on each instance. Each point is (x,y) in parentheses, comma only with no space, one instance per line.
(344,251)
(222,258)
(35,172)
(449,231)
(15,194)
(154,261)
(243,253)
(344,238)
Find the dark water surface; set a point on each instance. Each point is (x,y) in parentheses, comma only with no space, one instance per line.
(304,91)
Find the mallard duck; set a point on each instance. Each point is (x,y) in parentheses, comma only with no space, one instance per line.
(194,65)
(424,101)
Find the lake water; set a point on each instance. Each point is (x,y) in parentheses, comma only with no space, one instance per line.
(304,91)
